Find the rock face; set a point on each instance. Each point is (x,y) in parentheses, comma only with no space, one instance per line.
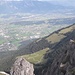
(64,63)
(3,73)
(22,67)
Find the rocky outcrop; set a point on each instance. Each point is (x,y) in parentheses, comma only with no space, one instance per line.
(64,63)
(22,67)
(3,73)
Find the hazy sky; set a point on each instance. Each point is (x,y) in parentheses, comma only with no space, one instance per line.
(62,2)
(56,0)
(38,0)
(59,0)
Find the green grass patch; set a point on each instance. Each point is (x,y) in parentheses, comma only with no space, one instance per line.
(15,42)
(2,41)
(36,57)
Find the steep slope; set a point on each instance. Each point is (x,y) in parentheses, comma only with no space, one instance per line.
(58,42)
(45,49)
(57,48)
(64,63)
(49,41)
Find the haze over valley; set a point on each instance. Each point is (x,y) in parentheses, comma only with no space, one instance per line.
(14,30)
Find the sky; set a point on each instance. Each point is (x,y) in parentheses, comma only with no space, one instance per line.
(38,0)
(56,0)
(59,0)
(63,2)
(69,2)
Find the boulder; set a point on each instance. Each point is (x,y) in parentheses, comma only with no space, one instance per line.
(22,67)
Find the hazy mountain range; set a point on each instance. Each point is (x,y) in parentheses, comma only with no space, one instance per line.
(34,6)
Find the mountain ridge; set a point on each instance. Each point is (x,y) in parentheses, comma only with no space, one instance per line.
(10,7)
(54,43)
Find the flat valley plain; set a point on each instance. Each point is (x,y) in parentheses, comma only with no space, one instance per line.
(16,28)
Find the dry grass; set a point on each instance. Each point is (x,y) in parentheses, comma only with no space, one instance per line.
(55,38)
(66,30)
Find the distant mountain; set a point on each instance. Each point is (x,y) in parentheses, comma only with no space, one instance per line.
(29,6)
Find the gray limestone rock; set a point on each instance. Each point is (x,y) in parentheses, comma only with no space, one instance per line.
(22,67)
